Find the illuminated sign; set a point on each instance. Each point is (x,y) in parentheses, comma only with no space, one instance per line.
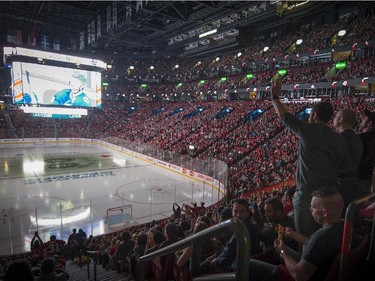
(43,55)
(341,65)
(54,110)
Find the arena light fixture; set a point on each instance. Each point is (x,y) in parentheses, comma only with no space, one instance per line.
(204,34)
(341,33)
(299,42)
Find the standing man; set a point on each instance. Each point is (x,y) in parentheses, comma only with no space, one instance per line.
(367,166)
(322,153)
(344,123)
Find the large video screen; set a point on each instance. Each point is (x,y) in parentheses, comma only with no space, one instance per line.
(50,85)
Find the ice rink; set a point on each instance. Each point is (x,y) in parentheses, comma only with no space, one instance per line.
(55,188)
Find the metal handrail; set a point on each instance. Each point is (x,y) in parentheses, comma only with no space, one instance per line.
(95,256)
(350,218)
(197,239)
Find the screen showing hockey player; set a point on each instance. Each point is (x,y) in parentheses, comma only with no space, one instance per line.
(50,85)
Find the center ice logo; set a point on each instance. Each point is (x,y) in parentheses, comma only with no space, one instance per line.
(68,177)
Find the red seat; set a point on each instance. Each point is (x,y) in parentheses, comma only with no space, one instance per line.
(163,268)
(148,270)
(356,259)
(181,273)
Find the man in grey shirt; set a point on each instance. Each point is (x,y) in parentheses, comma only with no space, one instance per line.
(343,122)
(322,154)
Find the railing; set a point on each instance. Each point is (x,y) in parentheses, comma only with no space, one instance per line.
(350,217)
(243,253)
(95,257)
(211,167)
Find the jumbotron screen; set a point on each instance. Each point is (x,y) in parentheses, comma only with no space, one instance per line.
(50,85)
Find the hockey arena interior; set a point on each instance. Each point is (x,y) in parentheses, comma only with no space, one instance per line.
(187,140)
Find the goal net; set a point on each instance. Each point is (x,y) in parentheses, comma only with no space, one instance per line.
(119,216)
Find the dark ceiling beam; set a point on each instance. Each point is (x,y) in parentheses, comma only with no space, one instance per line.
(199,20)
(140,39)
(138,22)
(152,26)
(133,35)
(92,4)
(74,7)
(177,11)
(40,8)
(153,15)
(21,18)
(45,20)
(31,14)
(129,40)
(205,3)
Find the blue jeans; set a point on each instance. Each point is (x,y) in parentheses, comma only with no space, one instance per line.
(304,221)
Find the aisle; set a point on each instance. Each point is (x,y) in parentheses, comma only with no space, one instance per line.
(77,273)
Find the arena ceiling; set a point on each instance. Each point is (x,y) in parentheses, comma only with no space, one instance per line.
(149,28)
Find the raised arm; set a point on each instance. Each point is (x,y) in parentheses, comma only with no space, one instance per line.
(276,91)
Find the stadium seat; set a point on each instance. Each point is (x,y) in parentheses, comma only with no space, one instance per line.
(356,260)
(163,268)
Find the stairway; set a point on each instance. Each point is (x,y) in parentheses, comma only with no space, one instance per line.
(77,273)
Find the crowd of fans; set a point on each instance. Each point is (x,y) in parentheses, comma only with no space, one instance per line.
(217,129)
(121,251)
(195,90)
(252,59)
